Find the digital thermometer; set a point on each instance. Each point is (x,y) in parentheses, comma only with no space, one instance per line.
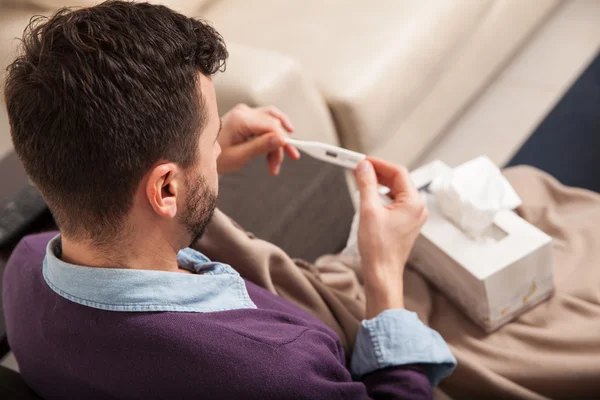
(329,153)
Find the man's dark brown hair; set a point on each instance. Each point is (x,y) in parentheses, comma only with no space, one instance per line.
(100,94)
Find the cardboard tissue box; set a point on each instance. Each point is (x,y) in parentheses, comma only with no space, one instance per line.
(492,279)
(489,261)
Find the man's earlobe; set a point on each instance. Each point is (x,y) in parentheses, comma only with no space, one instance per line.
(162,189)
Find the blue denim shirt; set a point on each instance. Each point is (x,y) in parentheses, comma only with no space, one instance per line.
(394,337)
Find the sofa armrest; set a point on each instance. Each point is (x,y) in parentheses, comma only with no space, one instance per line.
(262,78)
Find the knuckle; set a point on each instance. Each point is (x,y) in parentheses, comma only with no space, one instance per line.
(401,172)
(425,215)
(275,124)
(240,108)
(417,205)
(416,202)
(367,211)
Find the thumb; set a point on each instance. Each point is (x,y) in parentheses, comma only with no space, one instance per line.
(367,184)
(262,144)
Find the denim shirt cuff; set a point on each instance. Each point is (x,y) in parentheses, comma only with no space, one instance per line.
(397,337)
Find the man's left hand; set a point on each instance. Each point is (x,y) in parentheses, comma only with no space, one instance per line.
(249,132)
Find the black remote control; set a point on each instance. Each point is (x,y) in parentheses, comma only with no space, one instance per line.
(19,211)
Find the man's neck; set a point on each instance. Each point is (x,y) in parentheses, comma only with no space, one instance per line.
(147,253)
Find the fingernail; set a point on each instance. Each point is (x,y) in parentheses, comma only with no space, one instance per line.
(363,167)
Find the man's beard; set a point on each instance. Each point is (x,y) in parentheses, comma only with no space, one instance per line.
(200,206)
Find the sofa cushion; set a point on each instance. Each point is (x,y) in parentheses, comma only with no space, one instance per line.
(260,77)
(372,63)
(306,210)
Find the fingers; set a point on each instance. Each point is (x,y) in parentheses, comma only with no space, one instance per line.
(258,131)
(284,120)
(366,180)
(260,123)
(250,149)
(292,152)
(274,160)
(274,121)
(279,115)
(395,177)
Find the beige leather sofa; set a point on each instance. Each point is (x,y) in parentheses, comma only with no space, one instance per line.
(394,73)
(385,77)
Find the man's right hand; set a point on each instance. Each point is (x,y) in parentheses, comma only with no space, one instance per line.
(386,234)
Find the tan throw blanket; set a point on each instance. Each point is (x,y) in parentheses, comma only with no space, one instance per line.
(553,351)
(340,305)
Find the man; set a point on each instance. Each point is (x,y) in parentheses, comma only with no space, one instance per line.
(113,112)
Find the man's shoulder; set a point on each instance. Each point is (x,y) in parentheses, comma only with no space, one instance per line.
(33,247)
(234,331)
(248,362)
(204,351)
(25,261)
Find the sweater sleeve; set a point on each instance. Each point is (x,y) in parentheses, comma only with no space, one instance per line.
(318,358)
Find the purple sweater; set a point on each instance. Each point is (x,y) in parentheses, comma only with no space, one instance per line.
(69,351)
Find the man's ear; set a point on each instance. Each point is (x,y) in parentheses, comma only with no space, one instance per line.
(163,187)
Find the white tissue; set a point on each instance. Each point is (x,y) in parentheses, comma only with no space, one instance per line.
(471,195)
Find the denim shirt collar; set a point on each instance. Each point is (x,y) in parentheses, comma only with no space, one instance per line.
(212,287)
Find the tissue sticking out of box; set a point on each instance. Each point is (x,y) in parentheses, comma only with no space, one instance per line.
(471,194)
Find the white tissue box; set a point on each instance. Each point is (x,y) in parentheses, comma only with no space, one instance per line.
(492,281)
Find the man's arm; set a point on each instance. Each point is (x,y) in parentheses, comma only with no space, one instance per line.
(391,336)
(316,372)
(397,337)
(392,340)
